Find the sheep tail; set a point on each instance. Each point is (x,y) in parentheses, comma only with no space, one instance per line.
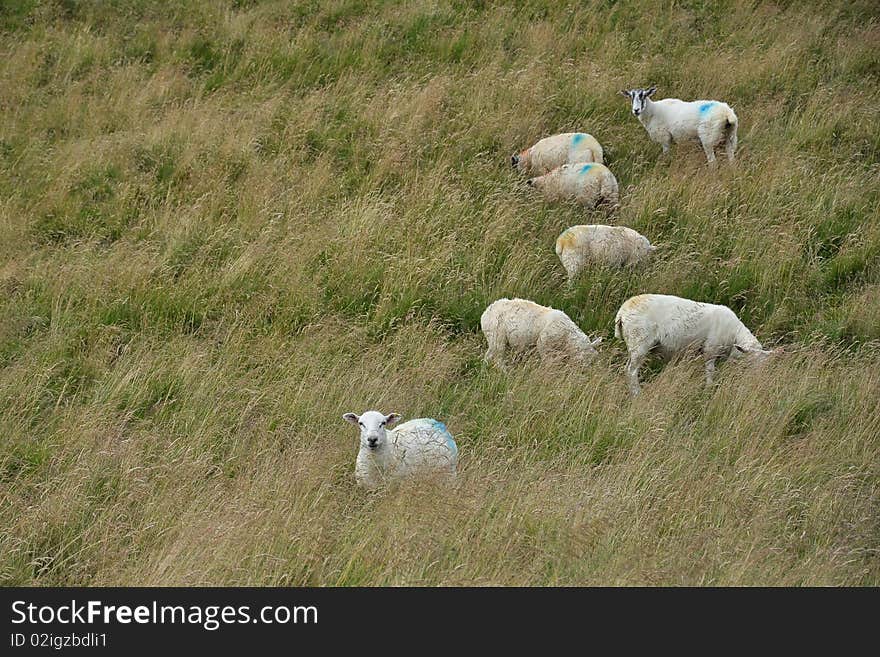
(730,126)
(618,327)
(610,193)
(732,121)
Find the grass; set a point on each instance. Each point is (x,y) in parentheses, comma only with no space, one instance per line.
(223,224)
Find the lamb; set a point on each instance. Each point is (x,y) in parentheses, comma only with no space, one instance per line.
(674,325)
(418,447)
(672,120)
(590,184)
(613,246)
(551,152)
(523,324)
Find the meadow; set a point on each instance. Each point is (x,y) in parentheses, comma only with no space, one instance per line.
(224,224)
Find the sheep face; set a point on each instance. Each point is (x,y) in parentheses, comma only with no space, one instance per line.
(639,98)
(540,182)
(753,356)
(372,425)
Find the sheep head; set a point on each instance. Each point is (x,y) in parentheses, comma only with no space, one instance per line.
(639,98)
(372,425)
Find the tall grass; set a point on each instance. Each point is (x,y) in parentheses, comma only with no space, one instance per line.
(223,224)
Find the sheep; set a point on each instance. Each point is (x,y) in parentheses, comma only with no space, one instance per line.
(415,448)
(674,325)
(672,120)
(523,324)
(613,246)
(589,184)
(551,152)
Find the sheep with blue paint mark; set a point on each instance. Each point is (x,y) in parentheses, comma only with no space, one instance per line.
(590,184)
(671,120)
(421,447)
(597,244)
(552,152)
(523,325)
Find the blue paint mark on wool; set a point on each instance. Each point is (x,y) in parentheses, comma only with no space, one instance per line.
(586,168)
(577,138)
(705,107)
(439,427)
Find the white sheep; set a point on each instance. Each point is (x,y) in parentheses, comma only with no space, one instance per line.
(672,120)
(416,448)
(522,325)
(552,152)
(613,246)
(674,325)
(589,184)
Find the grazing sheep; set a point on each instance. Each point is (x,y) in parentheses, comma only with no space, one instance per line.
(552,152)
(523,324)
(417,447)
(613,246)
(672,120)
(589,184)
(674,325)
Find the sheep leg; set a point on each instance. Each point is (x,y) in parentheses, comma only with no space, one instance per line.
(710,370)
(730,146)
(636,360)
(495,356)
(571,268)
(709,150)
(495,352)
(549,347)
(666,143)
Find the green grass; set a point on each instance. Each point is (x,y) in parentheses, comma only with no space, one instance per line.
(223,224)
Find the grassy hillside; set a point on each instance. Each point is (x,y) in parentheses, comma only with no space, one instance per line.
(223,224)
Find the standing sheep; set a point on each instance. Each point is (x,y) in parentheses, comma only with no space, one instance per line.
(523,324)
(589,184)
(674,325)
(551,152)
(612,246)
(672,120)
(417,447)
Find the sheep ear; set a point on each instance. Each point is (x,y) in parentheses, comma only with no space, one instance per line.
(625,92)
(650,91)
(351,417)
(393,418)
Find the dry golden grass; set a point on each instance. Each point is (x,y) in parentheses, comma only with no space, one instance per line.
(222,225)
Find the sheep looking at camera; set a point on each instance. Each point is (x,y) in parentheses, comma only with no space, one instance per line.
(611,246)
(552,152)
(589,184)
(673,325)
(672,120)
(415,448)
(521,325)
